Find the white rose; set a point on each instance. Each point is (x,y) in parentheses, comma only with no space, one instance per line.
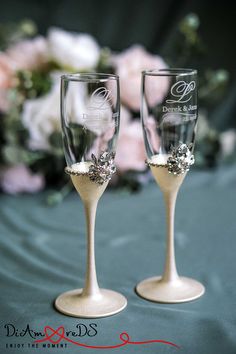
(78,51)
(29,54)
(228,142)
(41,116)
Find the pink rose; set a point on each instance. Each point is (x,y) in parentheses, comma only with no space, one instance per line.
(17,179)
(130,154)
(6,71)
(6,80)
(29,54)
(129,65)
(26,54)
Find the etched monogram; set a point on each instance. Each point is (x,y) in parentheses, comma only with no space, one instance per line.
(100,98)
(181,90)
(99,114)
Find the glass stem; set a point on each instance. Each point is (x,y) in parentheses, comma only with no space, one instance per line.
(91,287)
(170,272)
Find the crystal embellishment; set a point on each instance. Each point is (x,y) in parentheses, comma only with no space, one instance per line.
(181,159)
(102,168)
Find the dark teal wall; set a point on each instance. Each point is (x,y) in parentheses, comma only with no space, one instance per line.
(120,23)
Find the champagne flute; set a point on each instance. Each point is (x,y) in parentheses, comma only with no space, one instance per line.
(90,113)
(169,126)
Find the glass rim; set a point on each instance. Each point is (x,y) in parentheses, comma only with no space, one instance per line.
(169,72)
(88,76)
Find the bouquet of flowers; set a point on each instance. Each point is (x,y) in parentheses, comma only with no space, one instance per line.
(31,155)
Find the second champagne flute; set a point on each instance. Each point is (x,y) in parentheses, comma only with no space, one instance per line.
(169,125)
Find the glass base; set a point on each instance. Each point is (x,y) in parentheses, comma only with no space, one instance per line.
(180,290)
(106,303)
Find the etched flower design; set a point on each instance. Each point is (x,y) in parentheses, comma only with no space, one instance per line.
(181,159)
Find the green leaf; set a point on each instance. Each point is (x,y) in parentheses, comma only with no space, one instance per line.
(55,140)
(33,83)
(15,155)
